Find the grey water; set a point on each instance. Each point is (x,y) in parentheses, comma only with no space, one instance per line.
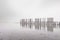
(14,31)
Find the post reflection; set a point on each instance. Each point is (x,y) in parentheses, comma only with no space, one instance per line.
(50,24)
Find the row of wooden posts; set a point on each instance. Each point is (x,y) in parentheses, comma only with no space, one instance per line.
(40,22)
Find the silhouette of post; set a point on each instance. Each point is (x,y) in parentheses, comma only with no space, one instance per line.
(40,23)
(30,23)
(59,24)
(43,22)
(22,22)
(26,22)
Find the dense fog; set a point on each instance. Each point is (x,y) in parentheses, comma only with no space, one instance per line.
(14,10)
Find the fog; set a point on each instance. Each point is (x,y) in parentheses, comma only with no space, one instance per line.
(14,10)
(11,11)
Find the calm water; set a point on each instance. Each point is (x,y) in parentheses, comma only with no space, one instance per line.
(14,31)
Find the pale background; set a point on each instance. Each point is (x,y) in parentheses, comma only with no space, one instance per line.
(14,10)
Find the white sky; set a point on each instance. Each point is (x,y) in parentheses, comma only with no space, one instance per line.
(16,9)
